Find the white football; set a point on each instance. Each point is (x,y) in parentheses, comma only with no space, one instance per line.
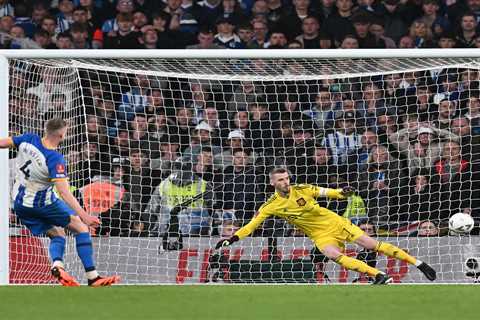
(460,223)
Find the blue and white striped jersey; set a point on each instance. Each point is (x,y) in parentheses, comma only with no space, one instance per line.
(37,169)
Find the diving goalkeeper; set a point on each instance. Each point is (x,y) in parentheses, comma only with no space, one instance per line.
(329,231)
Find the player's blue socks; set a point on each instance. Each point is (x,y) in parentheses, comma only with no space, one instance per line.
(57,248)
(85,250)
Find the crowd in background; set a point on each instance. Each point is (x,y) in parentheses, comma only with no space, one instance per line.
(238,24)
(408,143)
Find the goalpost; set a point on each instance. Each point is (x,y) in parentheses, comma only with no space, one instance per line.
(152,131)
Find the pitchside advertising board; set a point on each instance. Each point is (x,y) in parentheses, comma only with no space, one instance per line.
(139,260)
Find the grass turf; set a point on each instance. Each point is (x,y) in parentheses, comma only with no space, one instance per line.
(240,302)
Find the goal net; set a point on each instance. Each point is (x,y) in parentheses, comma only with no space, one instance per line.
(200,135)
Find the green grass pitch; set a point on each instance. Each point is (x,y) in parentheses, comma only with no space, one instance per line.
(240,302)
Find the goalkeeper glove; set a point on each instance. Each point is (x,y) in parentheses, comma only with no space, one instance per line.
(226,242)
(347,191)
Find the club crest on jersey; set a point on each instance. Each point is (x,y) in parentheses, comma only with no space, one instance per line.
(60,168)
(301,202)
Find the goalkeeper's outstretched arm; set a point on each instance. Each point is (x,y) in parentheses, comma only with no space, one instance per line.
(342,193)
(245,230)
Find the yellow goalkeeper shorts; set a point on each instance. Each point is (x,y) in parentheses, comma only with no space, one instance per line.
(344,231)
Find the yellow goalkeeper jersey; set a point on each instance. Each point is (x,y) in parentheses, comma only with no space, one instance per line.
(300,209)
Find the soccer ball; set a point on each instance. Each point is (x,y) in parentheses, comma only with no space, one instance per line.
(460,223)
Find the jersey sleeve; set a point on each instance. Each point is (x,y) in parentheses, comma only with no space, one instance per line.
(57,168)
(260,216)
(318,192)
(17,140)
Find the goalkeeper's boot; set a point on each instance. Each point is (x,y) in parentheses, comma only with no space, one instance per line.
(382,278)
(103,281)
(428,271)
(64,278)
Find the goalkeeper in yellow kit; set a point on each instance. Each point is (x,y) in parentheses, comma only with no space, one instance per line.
(297,204)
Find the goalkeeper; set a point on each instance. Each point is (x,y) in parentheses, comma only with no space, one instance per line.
(297,204)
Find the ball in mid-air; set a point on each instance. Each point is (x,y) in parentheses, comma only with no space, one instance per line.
(461,223)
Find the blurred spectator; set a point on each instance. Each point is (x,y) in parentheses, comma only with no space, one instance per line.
(320,167)
(310,37)
(344,139)
(396,25)
(140,135)
(245,33)
(139,180)
(178,187)
(260,32)
(204,167)
(149,38)
(236,140)
(427,229)
(361,23)
(406,42)
(50,86)
(470,143)
(277,40)
(349,42)
(124,37)
(79,33)
(437,23)
(169,153)
(380,182)
(183,126)
(339,23)
(446,112)
(359,158)
(64,41)
(453,176)
(291,20)
(240,187)
(123,7)
(6,9)
(244,94)
(377,28)
(43,39)
(421,145)
(473,114)
(202,138)
(136,99)
(324,111)
(418,200)
(225,36)
(263,125)
(65,15)
(205,40)
(421,34)
(17,39)
(468,31)
(298,157)
(447,40)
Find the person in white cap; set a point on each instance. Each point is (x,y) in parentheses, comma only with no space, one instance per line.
(202,138)
(420,146)
(235,140)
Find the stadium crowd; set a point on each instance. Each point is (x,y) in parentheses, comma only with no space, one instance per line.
(235,24)
(408,143)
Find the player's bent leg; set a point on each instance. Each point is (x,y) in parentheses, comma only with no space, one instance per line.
(56,250)
(85,253)
(347,262)
(390,250)
(57,246)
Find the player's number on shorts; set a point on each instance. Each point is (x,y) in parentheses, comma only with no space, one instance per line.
(25,169)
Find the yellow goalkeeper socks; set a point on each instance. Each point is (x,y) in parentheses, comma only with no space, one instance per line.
(356,265)
(395,252)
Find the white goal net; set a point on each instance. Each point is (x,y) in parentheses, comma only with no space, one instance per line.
(146,135)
